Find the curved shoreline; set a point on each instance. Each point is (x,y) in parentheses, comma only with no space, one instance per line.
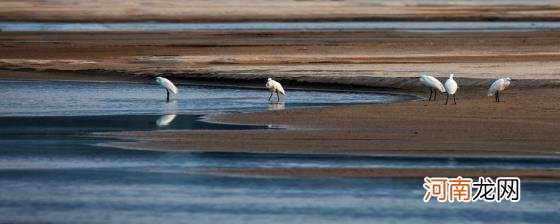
(525,125)
(390,85)
(386,130)
(373,130)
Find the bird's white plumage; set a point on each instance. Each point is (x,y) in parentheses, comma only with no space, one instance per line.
(167,84)
(275,86)
(450,85)
(431,82)
(499,85)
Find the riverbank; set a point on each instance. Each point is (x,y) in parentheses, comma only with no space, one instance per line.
(284,10)
(522,126)
(380,59)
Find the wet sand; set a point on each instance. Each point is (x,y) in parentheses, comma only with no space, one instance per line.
(524,125)
(382,59)
(282,10)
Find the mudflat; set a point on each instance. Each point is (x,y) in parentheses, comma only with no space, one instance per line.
(278,10)
(384,59)
(523,125)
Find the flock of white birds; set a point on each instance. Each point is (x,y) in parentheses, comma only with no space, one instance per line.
(450,87)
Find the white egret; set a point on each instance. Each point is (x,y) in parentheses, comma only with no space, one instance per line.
(498,86)
(433,84)
(274,87)
(168,85)
(451,88)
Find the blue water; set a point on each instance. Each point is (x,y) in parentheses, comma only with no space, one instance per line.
(53,170)
(271,26)
(45,98)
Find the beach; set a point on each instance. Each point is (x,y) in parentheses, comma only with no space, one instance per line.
(522,126)
(379,59)
(389,60)
(277,10)
(87,135)
(475,127)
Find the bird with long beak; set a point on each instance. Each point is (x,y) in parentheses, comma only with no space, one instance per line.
(274,87)
(433,84)
(498,86)
(168,85)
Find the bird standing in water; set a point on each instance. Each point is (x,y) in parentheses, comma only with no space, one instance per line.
(168,85)
(274,87)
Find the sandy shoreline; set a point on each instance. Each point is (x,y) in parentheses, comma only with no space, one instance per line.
(371,59)
(284,10)
(525,125)
(475,127)
(391,60)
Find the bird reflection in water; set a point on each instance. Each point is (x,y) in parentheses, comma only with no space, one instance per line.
(165,120)
(276,106)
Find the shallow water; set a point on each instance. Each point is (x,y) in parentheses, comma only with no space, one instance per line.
(69,98)
(52,170)
(293,26)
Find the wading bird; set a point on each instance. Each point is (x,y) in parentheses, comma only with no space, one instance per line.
(498,86)
(274,87)
(433,84)
(451,88)
(168,85)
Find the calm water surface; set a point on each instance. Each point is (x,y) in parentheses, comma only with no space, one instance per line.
(279,26)
(53,170)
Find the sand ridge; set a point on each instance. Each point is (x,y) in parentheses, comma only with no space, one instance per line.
(381,59)
(274,10)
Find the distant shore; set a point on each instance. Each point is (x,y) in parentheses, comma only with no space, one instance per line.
(286,10)
(375,59)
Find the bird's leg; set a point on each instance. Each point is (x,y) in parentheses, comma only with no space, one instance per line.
(270,95)
(498,96)
(435,94)
(430,98)
(446,99)
(455,102)
(167,95)
(278,96)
